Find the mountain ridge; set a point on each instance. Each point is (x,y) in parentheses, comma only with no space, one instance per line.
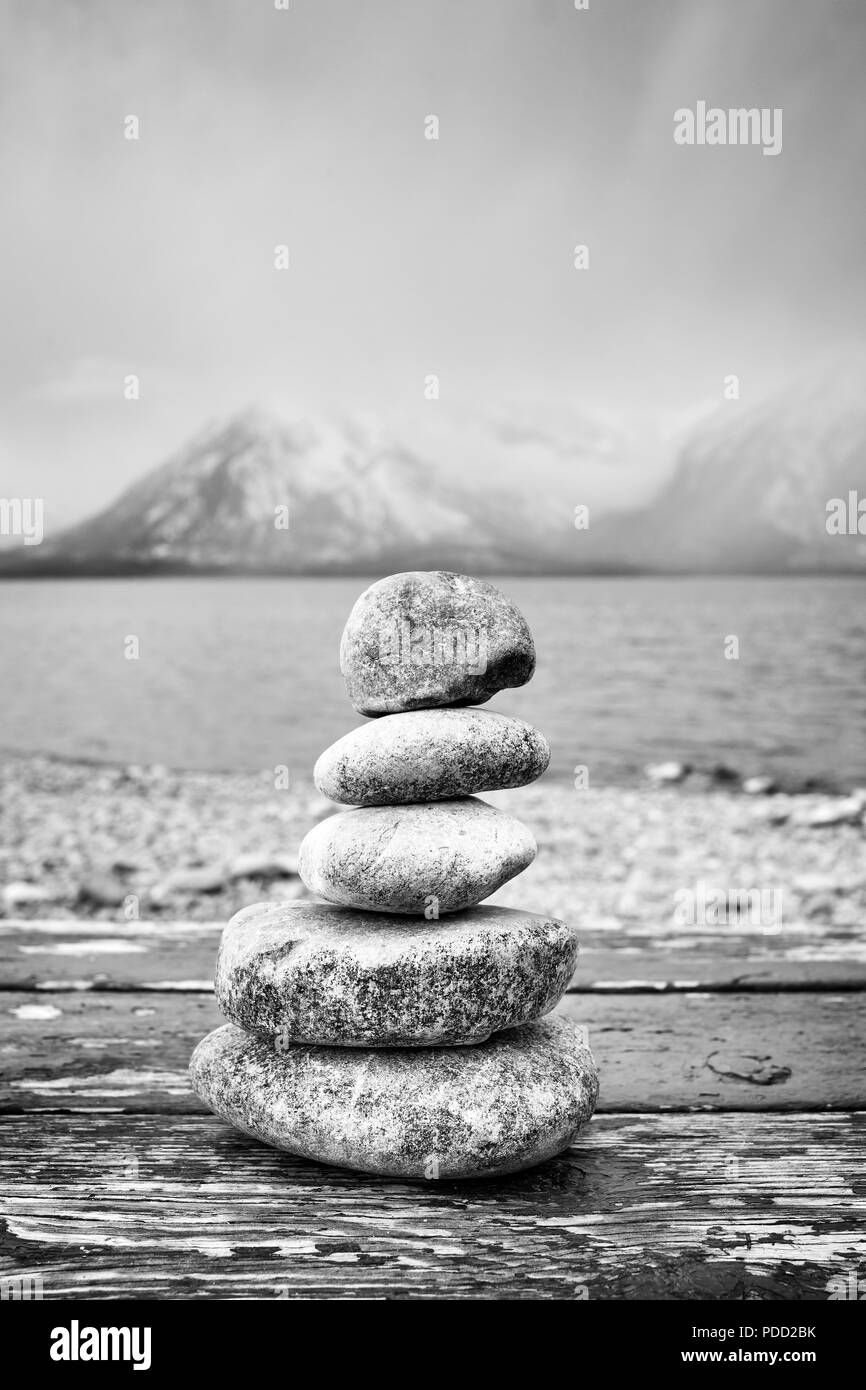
(257,494)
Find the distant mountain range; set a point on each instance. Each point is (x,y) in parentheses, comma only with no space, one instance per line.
(747,493)
(751,486)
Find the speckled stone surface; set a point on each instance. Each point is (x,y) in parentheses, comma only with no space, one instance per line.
(422,859)
(428,1113)
(432,638)
(314,973)
(430,755)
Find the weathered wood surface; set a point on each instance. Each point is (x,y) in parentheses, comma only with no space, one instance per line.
(677,1206)
(713,1171)
(672,1051)
(82,955)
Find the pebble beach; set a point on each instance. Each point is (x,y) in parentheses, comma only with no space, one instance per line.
(86,840)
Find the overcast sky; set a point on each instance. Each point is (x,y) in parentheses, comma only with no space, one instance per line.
(409,256)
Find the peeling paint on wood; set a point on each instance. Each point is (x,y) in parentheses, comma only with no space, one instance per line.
(654,1052)
(117,1206)
(712,1174)
(105,946)
(36,1013)
(632,958)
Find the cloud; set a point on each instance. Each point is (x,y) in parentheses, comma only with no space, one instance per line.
(82,382)
(410,256)
(91,380)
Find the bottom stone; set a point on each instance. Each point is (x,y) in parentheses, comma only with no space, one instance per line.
(441,1112)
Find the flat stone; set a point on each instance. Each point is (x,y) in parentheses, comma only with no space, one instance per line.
(425,859)
(103,890)
(431,755)
(723,775)
(667,772)
(332,976)
(428,638)
(821,883)
(21,894)
(759,786)
(258,864)
(842,810)
(210,878)
(434,1113)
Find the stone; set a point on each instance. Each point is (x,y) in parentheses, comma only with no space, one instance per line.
(431,755)
(20,894)
(421,859)
(421,1113)
(257,864)
(332,976)
(723,775)
(125,865)
(819,907)
(103,890)
(821,883)
(210,878)
(430,638)
(667,772)
(840,811)
(759,786)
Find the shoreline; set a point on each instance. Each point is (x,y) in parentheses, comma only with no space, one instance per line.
(698,778)
(80,839)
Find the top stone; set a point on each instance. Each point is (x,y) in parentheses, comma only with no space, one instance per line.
(430,638)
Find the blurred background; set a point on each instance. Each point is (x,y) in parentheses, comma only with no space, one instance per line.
(297,298)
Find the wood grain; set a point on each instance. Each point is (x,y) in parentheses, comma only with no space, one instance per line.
(684,1206)
(85,956)
(712,1171)
(654,1052)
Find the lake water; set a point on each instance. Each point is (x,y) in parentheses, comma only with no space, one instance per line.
(244,673)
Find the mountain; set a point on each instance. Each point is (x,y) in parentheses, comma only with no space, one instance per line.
(747,492)
(750,487)
(357,501)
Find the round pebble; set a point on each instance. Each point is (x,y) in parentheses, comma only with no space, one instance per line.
(428,638)
(431,755)
(421,859)
(426,1113)
(314,973)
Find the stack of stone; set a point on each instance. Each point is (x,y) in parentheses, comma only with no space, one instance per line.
(398,1027)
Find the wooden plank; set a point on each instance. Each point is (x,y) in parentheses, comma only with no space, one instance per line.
(739,958)
(655,1052)
(651,1206)
(85,956)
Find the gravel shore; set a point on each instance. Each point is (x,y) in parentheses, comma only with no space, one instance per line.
(85,840)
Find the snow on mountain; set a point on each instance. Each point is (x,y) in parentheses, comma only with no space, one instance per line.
(749,487)
(355,496)
(747,492)
(752,483)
